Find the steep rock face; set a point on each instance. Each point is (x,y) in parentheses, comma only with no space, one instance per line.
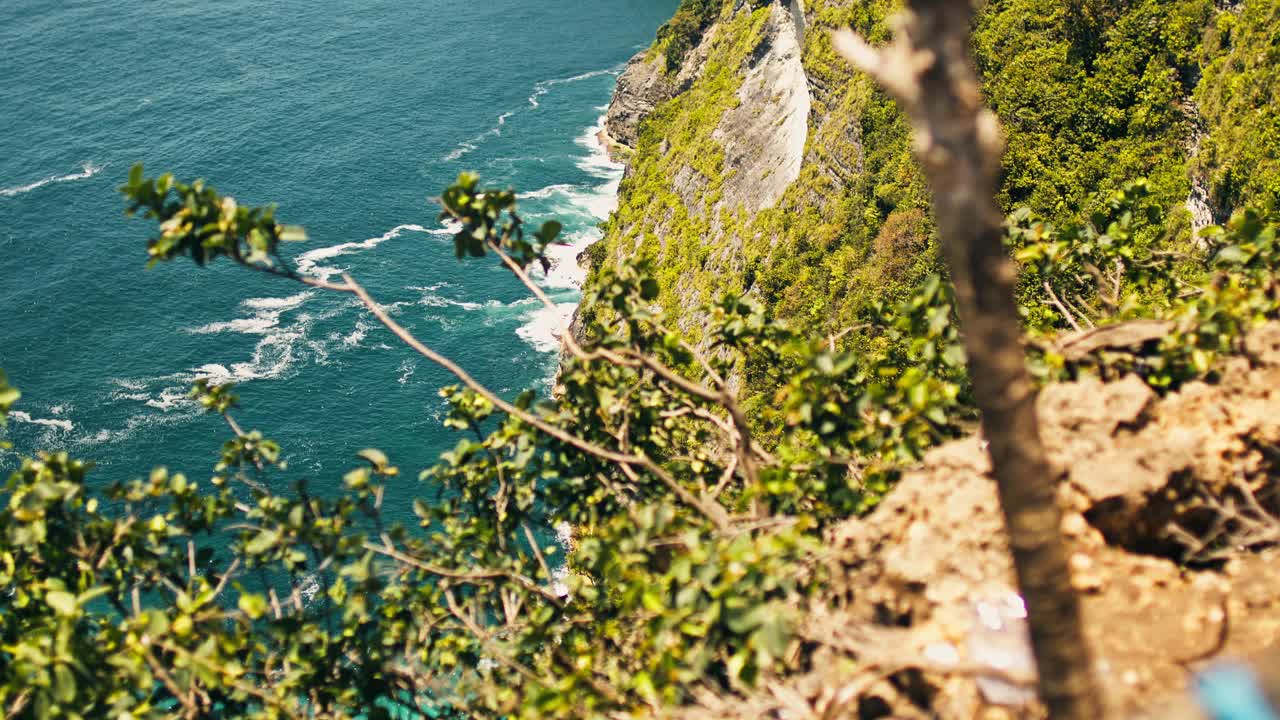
(764,136)
(728,144)
(642,85)
(718,200)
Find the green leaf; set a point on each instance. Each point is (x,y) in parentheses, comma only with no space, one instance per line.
(64,684)
(263,542)
(376,458)
(293,233)
(649,289)
(253,605)
(62,602)
(550,231)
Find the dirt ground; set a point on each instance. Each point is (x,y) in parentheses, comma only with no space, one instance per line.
(1171,508)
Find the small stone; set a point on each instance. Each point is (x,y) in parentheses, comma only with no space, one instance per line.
(1074,525)
(1081,562)
(1083,577)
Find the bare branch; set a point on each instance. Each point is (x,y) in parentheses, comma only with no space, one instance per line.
(466,379)
(1062,308)
(928,68)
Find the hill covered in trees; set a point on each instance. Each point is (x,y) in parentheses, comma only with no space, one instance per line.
(760,487)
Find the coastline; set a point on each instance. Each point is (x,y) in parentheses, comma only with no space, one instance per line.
(564,281)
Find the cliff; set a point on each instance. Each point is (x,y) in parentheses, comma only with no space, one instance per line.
(763,165)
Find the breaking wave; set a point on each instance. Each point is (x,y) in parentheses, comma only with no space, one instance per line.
(87,170)
(308,262)
(540,89)
(544,87)
(22,417)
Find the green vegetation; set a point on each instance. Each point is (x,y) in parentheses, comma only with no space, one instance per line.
(695,542)
(1091,95)
(682,33)
(1236,96)
(690,562)
(698,510)
(684,30)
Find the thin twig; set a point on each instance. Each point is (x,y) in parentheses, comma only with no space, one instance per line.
(1071,319)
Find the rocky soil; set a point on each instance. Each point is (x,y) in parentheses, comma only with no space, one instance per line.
(1171,513)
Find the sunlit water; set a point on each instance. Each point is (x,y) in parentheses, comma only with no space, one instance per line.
(350,115)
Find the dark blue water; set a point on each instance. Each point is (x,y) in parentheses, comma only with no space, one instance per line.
(350,115)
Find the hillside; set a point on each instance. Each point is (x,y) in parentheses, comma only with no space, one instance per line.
(761,164)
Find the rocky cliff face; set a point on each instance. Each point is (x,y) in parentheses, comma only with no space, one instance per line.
(716,144)
(765,166)
(641,87)
(764,136)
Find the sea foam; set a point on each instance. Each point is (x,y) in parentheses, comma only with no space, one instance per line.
(467,146)
(266,315)
(22,417)
(87,170)
(308,262)
(543,327)
(542,88)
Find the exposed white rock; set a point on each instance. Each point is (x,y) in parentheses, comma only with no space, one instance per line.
(764,137)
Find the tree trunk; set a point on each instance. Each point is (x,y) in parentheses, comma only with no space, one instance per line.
(929,69)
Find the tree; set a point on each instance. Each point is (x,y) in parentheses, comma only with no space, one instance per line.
(928,69)
(695,542)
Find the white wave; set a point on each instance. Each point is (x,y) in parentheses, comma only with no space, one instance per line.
(23,417)
(566,272)
(308,262)
(544,325)
(407,369)
(597,161)
(248,326)
(87,170)
(547,192)
(565,534)
(544,87)
(141,421)
(596,201)
(272,356)
(266,316)
(168,399)
(357,335)
(212,372)
(280,347)
(277,303)
(310,590)
(539,90)
(430,299)
(560,581)
(467,146)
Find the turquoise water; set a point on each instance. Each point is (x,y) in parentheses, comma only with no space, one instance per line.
(349,115)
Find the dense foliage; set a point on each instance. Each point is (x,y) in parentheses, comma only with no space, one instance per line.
(692,513)
(694,546)
(1236,96)
(1091,96)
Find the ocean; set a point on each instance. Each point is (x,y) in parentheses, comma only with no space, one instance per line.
(349,115)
